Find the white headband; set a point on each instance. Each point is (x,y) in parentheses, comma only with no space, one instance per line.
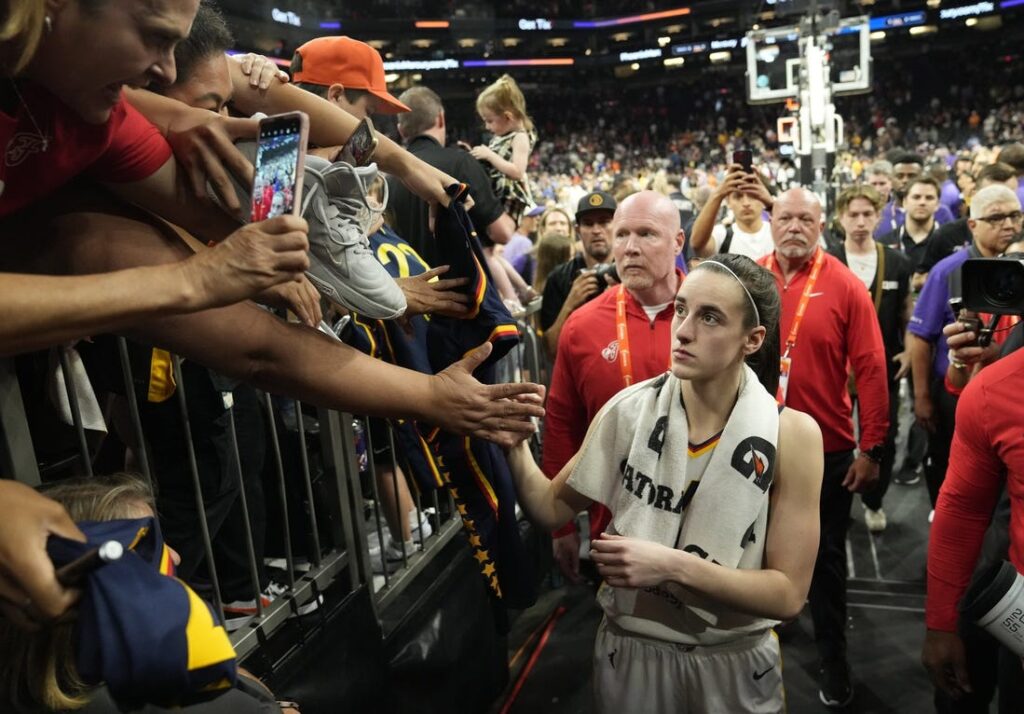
(726,268)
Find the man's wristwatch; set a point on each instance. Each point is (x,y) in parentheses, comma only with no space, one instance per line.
(874,453)
(953,361)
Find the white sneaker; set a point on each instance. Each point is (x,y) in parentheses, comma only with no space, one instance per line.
(240,612)
(875,520)
(393,556)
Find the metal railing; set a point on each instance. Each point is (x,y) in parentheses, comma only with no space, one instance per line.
(341,522)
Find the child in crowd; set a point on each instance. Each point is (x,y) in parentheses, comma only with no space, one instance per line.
(502,107)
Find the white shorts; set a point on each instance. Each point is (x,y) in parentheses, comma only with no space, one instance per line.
(645,676)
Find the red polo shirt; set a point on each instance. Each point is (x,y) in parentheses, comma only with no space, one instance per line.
(587,374)
(988,445)
(839,330)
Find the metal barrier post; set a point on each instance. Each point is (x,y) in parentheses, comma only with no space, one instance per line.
(133,410)
(337,441)
(250,546)
(204,527)
(76,413)
(282,490)
(17,455)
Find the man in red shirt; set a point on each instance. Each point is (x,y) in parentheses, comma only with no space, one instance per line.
(595,360)
(828,323)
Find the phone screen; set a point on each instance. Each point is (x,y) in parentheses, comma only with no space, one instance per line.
(361,145)
(278,180)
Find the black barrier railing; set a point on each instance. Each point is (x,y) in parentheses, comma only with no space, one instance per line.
(336,516)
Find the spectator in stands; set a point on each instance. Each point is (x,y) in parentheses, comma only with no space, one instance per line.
(424,130)
(748,234)
(46,310)
(519,251)
(557,220)
(573,283)
(879,176)
(994,223)
(1013,155)
(666,596)
(885,273)
(906,167)
(956,235)
(837,329)
(920,202)
(617,339)
(553,248)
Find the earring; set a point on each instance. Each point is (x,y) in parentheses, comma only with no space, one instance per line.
(48,24)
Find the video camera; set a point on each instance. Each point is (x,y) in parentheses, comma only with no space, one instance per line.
(994,285)
(603,271)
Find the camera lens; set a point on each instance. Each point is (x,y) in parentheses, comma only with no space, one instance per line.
(1007,286)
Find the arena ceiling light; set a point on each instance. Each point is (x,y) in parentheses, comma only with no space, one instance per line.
(923,30)
(468,42)
(511,41)
(432,24)
(422,44)
(664,41)
(558,41)
(719,57)
(674,61)
(646,17)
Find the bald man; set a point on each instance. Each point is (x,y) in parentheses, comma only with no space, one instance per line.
(838,329)
(590,369)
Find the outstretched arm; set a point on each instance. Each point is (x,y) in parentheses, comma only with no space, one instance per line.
(776,591)
(549,503)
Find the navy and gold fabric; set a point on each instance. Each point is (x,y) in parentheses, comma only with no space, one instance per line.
(144,633)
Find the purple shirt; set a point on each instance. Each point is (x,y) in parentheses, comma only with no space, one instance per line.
(517,248)
(1020,190)
(932,311)
(950,196)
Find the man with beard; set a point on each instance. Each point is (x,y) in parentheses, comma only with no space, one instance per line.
(920,203)
(828,325)
(574,282)
(617,339)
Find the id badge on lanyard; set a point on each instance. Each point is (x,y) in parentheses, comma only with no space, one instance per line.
(786,362)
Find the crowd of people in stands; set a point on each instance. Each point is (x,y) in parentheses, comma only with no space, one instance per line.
(651,248)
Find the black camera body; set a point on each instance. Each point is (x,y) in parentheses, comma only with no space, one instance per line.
(603,271)
(994,285)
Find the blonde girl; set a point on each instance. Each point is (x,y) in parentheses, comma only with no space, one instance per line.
(503,110)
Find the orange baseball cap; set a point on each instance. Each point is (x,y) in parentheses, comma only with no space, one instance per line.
(348,62)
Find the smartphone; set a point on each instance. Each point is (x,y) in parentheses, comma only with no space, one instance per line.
(359,148)
(744,158)
(280,162)
(971,324)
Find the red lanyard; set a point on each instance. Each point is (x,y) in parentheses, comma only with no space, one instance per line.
(622,335)
(801,308)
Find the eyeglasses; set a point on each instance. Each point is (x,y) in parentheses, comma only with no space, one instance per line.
(996,219)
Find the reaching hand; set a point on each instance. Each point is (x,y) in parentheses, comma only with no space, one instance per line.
(299,296)
(632,562)
(424,294)
(260,70)
(583,288)
(207,153)
(499,413)
(29,591)
(253,258)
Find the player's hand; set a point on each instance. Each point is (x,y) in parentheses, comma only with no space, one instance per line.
(566,552)
(632,562)
(500,412)
(260,70)
(944,657)
(903,360)
(207,153)
(299,296)
(29,591)
(583,288)
(254,258)
(924,412)
(862,475)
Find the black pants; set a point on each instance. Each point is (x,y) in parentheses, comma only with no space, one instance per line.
(944,405)
(873,498)
(828,586)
